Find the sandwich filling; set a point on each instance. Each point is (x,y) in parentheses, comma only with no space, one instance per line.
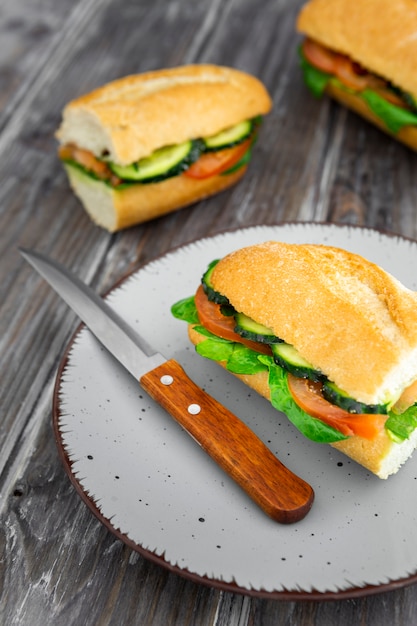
(312,402)
(200,158)
(388,102)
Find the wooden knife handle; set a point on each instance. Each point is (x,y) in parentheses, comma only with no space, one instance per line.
(284,496)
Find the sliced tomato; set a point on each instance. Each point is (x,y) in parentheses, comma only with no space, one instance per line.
(309,398)
(347,72)
(319,56)
(211,317)
(88,160)
(214,163)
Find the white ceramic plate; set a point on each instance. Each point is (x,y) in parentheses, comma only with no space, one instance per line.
(152,486)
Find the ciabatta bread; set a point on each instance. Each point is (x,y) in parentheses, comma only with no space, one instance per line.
(128,119)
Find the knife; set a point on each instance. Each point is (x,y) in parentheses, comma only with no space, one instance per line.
(281,494)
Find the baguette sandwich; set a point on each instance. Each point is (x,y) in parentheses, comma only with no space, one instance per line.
(327,336)
(364,55)
(148,144)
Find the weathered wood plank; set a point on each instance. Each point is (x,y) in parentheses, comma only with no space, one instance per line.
(314,161)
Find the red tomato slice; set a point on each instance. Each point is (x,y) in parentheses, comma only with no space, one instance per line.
(308,397)
(319,56)
(346,72)
(213,163)
(212,318)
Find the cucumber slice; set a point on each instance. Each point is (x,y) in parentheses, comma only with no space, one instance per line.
(212,294)
(163,163)
(229,137)
(337,396)
(249,329)
(291,360)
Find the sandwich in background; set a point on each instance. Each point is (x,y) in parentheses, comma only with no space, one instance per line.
(364,55)
(148,144)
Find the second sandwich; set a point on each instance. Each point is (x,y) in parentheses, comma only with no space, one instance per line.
(151,143)
(364,55)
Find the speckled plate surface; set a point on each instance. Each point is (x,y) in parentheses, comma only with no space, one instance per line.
(153,487)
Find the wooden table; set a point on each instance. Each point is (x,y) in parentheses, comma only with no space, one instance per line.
(314,162)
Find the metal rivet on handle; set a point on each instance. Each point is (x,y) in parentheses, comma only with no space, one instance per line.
(194,409)
(167,380)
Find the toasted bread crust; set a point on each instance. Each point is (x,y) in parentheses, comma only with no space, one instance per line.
(378,34)
(115,210)
(345,315)
(381,455)
(129,118)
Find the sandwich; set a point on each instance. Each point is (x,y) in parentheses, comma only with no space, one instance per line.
(144,145)
(328,337)
(364,55)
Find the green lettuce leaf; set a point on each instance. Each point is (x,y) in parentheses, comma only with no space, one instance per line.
(315,79)
(239,359)
(243,360)
(215,350)
(394,117)
(185,310)
(400,426)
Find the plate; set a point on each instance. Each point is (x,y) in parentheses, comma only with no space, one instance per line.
(155,489)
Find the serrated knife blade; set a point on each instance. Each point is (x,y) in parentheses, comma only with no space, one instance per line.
(280,493)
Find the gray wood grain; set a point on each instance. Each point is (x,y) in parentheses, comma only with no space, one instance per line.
(314,161)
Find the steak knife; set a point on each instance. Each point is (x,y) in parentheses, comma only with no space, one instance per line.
(281,494)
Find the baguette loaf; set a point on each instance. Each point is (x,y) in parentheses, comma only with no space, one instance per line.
(350,319)
(380,36)
(130,118)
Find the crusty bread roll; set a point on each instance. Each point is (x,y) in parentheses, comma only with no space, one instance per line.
(379,35)
(349,318)
(128,119)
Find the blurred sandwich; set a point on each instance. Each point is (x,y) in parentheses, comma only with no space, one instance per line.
(364,55)
(148,144)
